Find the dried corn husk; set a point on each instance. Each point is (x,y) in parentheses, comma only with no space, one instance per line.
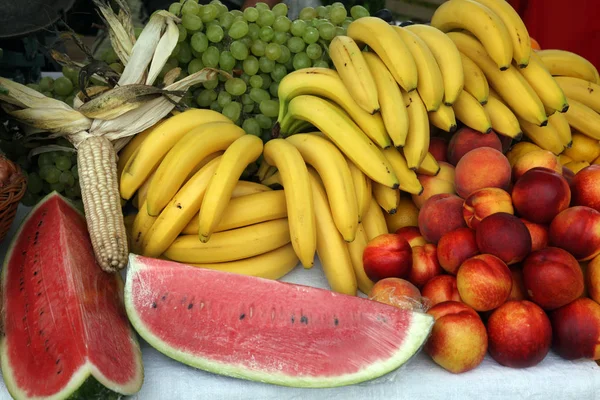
(121,37)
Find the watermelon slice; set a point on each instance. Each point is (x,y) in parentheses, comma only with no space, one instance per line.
(267,331)
(65,327)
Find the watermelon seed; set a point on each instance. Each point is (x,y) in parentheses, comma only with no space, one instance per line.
(40,281)
(39,294)
(59,371)
(24,252)
(293,319)
(57,361)
(35,273)
(242,316)
(154,304)
(164,297)
(41,332)
(336,322)
(190,306)
(42,312)
(304,320)
(40,223)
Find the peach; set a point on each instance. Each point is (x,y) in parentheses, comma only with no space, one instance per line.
(519,334)
(441,288)
(540,194)
(458,341)
(450,307)
(518,291)
(467,139)
(440,214)
(396,292)
(504,236)
(425,265)
(538,233)
(576,330)
(533,159)
(520,149)
(412,234)
(592,279)
(552,278)
(484,282)
(484,202)
(387,256)
(585,188)
(455,247)
(407,214)
(443,182)
(481,168)
(568,175)
(438,147)
(577,230)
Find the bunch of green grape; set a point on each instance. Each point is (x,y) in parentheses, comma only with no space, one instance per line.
(257,48)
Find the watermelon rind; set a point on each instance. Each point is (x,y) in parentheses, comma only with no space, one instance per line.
(416,336)
(87,373)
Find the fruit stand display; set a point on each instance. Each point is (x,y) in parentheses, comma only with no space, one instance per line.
(445,171)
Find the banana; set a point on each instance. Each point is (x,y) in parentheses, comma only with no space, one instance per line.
(561,124)
(179,212)
(333,169)
(273,180)
(443,118)
(417,141)
(409,182)
(482,22)
(298,126)
(565,63)
(386,197)
(545,86)
(447,57)
(510,84)
(142,192)
(584,148)
(576,166)
(195,146)
(337,126)
(504,121)
(471,113)
(238,155)
(430,84)
(519,150)
(132,147)
(160,141)
(564,159)
(475,81)
(393,110)
(583,119)
(245,188)
(356,250)
(580,90)
(247,210)
(202,163)
(545,137)
(389,46)
(516,29)
(263,168)
(331,247)
(141,225)
(354,72)
(232,245)
(374,221)
(429,166)
(273,264)
(298,196)
(325,82)
(362,188)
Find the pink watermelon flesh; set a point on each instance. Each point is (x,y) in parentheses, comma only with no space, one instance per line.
(265,330)
(64,319)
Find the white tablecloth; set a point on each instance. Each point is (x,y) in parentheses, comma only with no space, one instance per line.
(553,379)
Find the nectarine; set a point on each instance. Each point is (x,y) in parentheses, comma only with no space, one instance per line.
(481,168)
(577,230)
(441,288)
(484,282)
(440,214)
(455,247)
(387,256)
(576,330)
(505,236)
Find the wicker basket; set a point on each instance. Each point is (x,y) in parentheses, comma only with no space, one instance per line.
(10,196)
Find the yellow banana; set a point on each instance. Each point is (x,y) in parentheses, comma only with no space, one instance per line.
(160,141)
(333,169)
(583,148)
(392,105)
(564,159)
(141,226)
(354,72)
(447,56)
(273,264)
(577,166)
(247,210)
(194,147)
(409,182)
(510,84)
(362,188)
(429,166)
(387,44)
(482,22)
(337,126)
(566,63)
(580,90)
(386,197)
(244,188)
(417,141)
(325,82)
(475,81)
(238,155)
(374,221)
(504,121)
(444,118)
(430,84)
(519,150)
(273,180)
(545,137)
(561,124)
(142,192)
(471,113)
(545,86)
(131,148)
(263,169)
(331,247)
(298,196)
(583,119)
(356,250)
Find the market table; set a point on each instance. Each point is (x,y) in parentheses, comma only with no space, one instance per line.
(553,379)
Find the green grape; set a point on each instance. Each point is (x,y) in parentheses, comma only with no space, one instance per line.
(251,127)
(173,62)
(311,35)
(59,187)
(337,15)
(45,159)
(208,13)
(118,68)
(210,57)
(270,108)
(247,41)
(34,183)
(211,23)
(70,73)
(298,27)
(226,20)
(215,106)
(246,99)
(266,65)
(223,77)
(191,22)
(282,23)
(66,178)
(250,65)
(289,64)
(34,86)
(317,22)
(110,56)
(258,48)
(266,81)
(280,10)
(320,64)
(190,7)
(63,86)
(273,51)
(346,24)
(52,174)
(256,81)
(280,37)
(69,100)
(245,78)
(185,53)
(314,51)
(195,65)
(301,60)
(359,12)
(261,6)
(206,97)
(232,110)
(278,72)
(221,9)
(224,98)
(307,13)
(238,50)
(211,83)
(182,33)
(266,34)
(46,84)
(63,163)
(257,95)
(339,31)
(274,88)
(237,13)
(29,199)
(58,97)
(247,109)
(321,11)
(263,121)
(326,31)
(175,8)
(75,171)
(199,42)
(285,56)
(251,14)
(73,192)
(238,30)
(48,93)
(226,61)
(214,33)
(253,31)
(295,44)
(235,87)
